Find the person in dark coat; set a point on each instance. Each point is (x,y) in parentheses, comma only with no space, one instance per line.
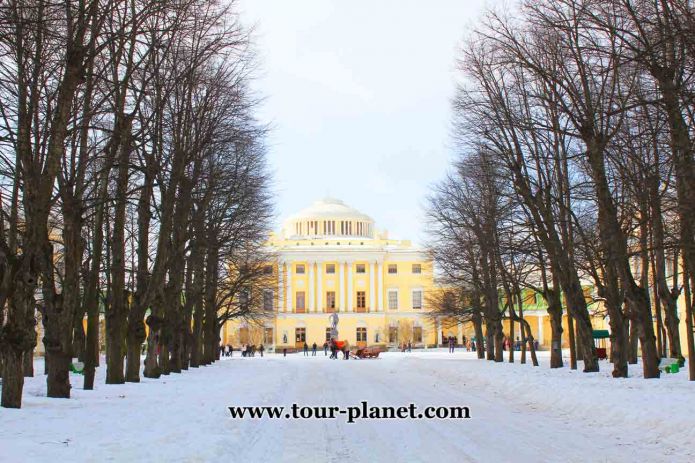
(325,348)
(284,351)
(313,350)
(261,349)
(306,349)
(334,350)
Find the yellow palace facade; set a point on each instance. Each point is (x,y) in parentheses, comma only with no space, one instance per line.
(331,258)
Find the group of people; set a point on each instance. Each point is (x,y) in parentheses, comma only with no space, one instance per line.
(507,343)
(406,347)
(306,350)
(247,350)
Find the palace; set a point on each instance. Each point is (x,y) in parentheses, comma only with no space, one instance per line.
(331,258)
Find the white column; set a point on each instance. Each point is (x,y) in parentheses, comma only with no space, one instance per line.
(349,284)
(440,338)
(342,306)
(380,286)
(540,330)
(290,296)
(311,286)
(459,327)
(372,307)
(281,288)
(319,278)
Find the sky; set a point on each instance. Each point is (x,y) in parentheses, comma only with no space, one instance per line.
(358,95)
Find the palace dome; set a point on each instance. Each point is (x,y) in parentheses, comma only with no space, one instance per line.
(328,217)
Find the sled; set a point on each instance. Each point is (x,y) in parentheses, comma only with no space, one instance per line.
(367,353)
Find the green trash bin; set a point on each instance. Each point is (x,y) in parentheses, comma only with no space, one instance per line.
(674,368)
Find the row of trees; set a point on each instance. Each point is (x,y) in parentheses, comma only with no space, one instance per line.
(574,122)
(133,183)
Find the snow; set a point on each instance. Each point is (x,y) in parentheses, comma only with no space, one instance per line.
(518,413)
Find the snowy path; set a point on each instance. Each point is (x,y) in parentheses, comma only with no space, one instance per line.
(518,414)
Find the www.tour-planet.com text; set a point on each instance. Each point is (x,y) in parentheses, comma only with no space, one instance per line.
(363,411)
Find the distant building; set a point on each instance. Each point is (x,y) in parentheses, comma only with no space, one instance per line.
(331,258)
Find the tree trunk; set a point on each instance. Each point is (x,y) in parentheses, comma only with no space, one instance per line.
(522,328)
(58,379)
(572,342)
(154,322)
(478,328)
(634,339)
(511,332)
(12,377)
(78,342)
(554,300)
(690,335)
(28,360)
(490,340)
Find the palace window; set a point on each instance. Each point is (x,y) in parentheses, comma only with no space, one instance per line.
(417,334)
(361,334)
(330,268)
(330,301)
(268,336)
(393,299)
(299,268)
(360,268)
(361,301)
(393,269)
(268,299)
(300,301)
(417,268)
(300,335)
(417,299)
(328,334)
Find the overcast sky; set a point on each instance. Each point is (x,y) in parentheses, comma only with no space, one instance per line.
(358,94)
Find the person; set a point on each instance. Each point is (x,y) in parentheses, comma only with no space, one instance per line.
(261,349)
(313,350)
(334,350)
(473,345)
(243,350)
(410,347)
(231,350)
(346,351)
(325,348)
(284,351)
(403,347)
(306,349)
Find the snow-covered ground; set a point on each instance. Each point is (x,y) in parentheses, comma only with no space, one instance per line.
(518,413)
